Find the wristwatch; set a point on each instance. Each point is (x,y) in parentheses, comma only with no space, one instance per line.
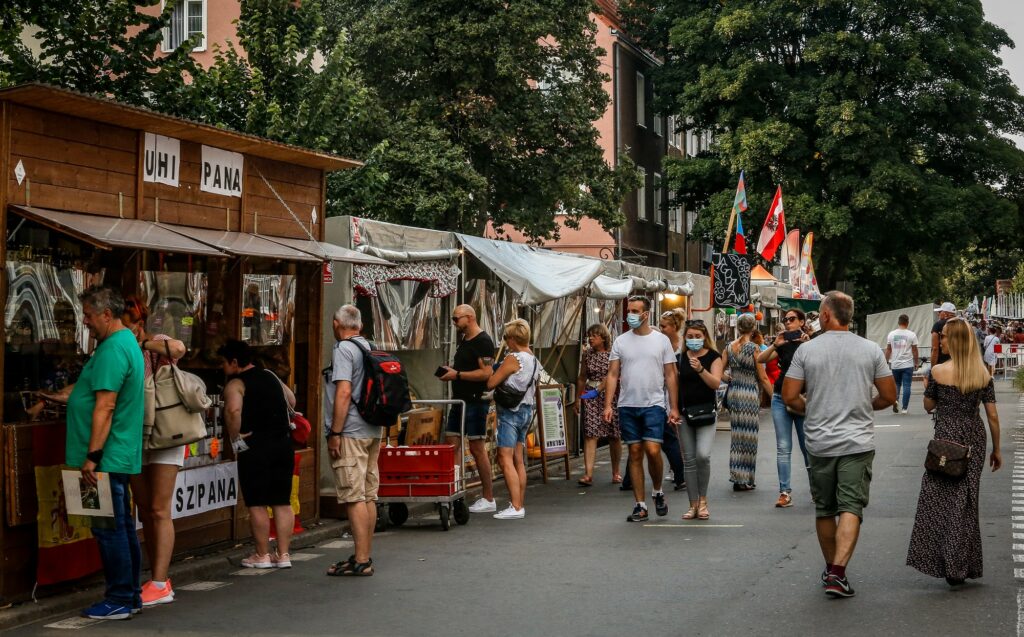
(332,434)
(458,375)
(95,456)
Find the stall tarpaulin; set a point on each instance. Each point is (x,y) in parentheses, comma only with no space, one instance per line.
(922,317)
(608,289)
(535,274)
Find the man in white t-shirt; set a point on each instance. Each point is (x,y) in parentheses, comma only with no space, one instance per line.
(901,352)
(642,365)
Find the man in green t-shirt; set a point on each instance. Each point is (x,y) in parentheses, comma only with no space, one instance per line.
(104,434)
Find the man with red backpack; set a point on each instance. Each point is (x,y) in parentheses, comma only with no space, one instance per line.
(352,443)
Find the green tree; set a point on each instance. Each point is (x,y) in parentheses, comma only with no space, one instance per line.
(490,114)
(100,47)
(882,122)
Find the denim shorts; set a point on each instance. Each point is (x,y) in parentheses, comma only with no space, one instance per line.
(642,423)
(476,420)
(513,425)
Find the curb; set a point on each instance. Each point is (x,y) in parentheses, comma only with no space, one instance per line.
(185,571)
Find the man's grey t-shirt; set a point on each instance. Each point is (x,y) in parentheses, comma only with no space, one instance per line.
(347,364)
(839,370)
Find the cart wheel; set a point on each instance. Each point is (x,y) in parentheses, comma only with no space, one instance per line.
(382,519)
(398,513)
(461,512)
(446,520)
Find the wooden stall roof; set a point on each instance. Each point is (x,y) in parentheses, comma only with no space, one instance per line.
(59,100)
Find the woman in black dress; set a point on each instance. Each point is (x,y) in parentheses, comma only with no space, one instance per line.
(946,540)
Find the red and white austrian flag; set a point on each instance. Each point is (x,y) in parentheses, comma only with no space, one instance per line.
(773,232)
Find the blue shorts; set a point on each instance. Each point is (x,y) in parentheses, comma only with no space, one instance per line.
(642,423)
(513,425)
(476,420)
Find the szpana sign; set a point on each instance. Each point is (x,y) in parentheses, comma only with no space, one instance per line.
(221,172)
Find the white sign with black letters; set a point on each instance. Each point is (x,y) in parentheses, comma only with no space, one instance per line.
(204,489)
(162,160)
(221,172)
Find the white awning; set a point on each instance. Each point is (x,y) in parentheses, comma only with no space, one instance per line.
(609,289)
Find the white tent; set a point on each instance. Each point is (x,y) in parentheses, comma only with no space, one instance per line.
(922,317)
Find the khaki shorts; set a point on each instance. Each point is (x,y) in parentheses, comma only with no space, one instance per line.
(840,484)
(355,473)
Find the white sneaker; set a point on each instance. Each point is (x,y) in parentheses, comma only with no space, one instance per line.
(511,513)
(483,506)
(903,411)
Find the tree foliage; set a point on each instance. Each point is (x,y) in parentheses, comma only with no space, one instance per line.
(881,120)
(490,113)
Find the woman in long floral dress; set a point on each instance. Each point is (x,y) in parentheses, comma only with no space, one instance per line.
(747,378)
(946,540)
(593,373)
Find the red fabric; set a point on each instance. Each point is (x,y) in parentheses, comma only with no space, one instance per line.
(773,232)
(772,370)
(740,245)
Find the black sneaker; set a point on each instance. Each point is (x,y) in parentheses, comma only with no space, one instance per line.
(837,586)
(824,577)
(660,506)
(680,486)
(639,514)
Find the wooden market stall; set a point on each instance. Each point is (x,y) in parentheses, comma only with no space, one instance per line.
(219,232)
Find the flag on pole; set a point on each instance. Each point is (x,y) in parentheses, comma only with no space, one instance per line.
(773,232)
(739,204)
(741,239)
(791,256)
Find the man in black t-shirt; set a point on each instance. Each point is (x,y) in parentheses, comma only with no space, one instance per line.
(946,311)
(468,375)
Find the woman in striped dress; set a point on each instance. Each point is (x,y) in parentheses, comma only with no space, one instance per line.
(747,376)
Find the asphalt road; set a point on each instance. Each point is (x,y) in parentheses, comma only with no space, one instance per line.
(574,566)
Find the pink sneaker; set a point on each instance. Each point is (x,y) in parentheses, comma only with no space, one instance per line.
(151,595)
(258,561)
(282,560)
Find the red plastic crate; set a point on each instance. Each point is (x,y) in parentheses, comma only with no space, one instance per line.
(427,470)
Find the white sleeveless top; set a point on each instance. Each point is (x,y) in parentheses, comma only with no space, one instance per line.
(527,374)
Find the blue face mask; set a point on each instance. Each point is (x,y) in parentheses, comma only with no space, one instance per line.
(634,320)
(694,344)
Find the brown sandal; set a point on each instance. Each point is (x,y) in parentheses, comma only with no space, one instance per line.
(703,513)
(690,514)
(585,481)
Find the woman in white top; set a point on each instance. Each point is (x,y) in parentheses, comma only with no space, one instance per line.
(518,372)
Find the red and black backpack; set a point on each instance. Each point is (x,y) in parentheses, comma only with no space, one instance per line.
(385,388)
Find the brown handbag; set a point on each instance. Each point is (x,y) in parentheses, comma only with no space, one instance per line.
(947,458)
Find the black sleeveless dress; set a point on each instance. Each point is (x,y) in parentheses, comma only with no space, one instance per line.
(265,469)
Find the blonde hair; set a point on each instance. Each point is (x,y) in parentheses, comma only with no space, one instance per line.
(675,317)
(971,374)
(518,331)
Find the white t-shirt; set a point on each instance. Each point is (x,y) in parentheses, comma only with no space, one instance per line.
(989,355)
(642,361)
(525,377)
(902,342)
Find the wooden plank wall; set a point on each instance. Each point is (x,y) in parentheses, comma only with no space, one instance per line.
(187,204)
(299,187)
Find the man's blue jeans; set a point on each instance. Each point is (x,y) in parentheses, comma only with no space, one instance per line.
(903,377)
(119,547)
(785,423)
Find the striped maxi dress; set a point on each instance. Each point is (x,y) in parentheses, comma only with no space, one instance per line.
(744,408)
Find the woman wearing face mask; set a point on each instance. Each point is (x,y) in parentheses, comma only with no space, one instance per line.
(746,376)
(782,350)
(700,372)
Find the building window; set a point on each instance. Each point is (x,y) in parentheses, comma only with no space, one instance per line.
(641,100)
(641,197)
(673,139)
(657,198)
(691,218)
(187,19)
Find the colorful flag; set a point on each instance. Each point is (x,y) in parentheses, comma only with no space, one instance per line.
(773,232)
(740,246)
(808,282)
(791,256)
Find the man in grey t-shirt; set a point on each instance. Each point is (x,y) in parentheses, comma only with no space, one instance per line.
(837,372)
(352,443)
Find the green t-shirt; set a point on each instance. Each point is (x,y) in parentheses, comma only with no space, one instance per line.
(116,366)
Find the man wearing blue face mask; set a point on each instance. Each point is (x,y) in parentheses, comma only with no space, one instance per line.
(642,365)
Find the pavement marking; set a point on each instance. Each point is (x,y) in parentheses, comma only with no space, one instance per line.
(881,426)
(262,571)
(202,586)
(1020,612)
(338,544)
(73,623)
(305,557)
(1018,547)
(1018,536)
(697,526)
(1018,573)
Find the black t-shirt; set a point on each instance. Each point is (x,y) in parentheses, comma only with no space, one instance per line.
(939,356)
(692,389)
(786,351)
(467,357)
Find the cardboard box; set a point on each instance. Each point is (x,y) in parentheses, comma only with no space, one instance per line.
(423,426)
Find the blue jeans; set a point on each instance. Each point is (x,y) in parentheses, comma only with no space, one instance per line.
(903,378)
(119,548)
(785,422)
(476,420)
(642,423)
(513,425)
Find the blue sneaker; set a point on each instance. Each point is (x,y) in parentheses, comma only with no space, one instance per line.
(107,610)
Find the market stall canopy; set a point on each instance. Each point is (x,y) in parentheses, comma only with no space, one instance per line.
(327,251)
(113,232)
(759,274)
(535,274)
(446,254)
(609,289)
(242,244)
(390,236)
(921,318)
(60,100)
(807,305)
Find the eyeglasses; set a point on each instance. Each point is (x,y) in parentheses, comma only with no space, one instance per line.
(455,319)
(790,319)
(695,323)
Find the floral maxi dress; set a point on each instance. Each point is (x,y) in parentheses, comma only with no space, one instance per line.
(594,426)
(744,409)
(946,540)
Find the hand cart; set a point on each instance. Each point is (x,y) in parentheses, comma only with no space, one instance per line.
(424,473)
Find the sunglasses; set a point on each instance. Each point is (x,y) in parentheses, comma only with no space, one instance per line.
(695,323)
(455,319)
(790,319)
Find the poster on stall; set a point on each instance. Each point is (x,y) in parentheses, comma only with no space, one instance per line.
(204,489)
(221,172)
(162,159)
(552,418)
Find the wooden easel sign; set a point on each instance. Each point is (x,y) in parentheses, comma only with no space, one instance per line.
(551,427)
